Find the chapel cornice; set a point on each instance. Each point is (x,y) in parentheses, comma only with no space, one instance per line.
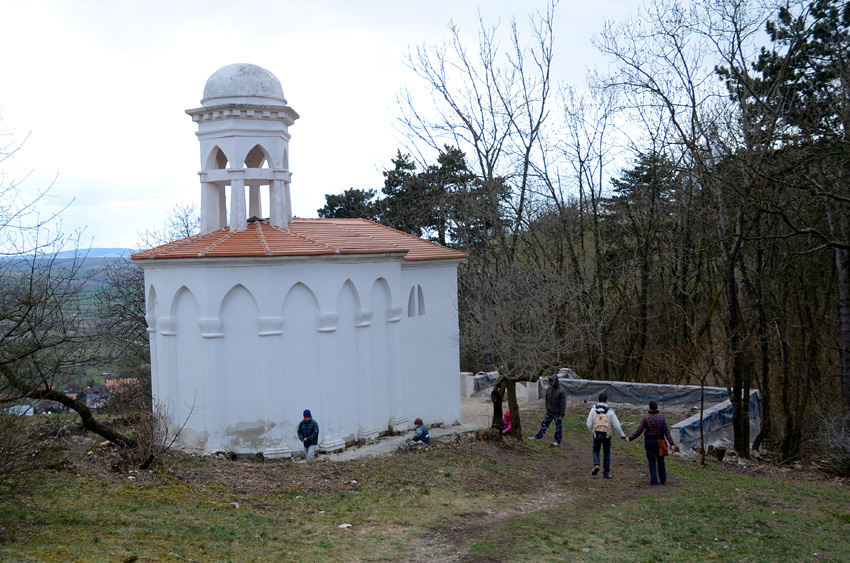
(244,111)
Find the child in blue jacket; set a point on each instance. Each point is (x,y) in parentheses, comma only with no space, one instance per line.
(421,433)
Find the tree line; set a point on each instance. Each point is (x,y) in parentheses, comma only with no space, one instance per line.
(682,218)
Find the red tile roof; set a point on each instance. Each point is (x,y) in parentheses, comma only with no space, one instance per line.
(303,237)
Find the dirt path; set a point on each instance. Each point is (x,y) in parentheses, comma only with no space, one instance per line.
(569,469)
(566,482)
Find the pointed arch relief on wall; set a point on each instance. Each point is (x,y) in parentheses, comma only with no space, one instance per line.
(300,290)
(180,296)
(233,293)
(383,286)
(257,157)
(217,160)
(150,309)
(285,159)
(349,285)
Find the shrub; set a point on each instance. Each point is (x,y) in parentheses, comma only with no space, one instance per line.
(20,457)
(831,443)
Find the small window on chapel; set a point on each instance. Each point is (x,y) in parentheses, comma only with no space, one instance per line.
(416,302)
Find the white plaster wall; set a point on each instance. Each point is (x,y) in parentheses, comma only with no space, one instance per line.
(431,348)
(346,364)
(379,356)
(244,345)
(297,374)
(186,394)
(244,413)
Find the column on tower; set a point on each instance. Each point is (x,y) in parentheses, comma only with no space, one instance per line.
(280,209)
(238,219)
(254,205)
(212,207)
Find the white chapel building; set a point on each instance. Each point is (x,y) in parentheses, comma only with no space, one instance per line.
(262,314)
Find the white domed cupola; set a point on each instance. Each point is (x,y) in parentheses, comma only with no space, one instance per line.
(243,84)
(243,129)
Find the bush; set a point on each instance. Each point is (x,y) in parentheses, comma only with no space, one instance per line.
(20,457)
(831,445)
(154,435)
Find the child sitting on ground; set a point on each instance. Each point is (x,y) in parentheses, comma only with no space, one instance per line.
(421,433)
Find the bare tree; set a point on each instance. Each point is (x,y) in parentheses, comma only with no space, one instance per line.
(666,60)
(120,307)
(43,331)
(183,221)
(494,107)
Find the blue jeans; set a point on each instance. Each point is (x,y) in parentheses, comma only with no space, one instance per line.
(544,426)
(309,453)
(658,475)
(605,444)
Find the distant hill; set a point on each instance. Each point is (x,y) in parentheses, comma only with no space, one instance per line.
(89,265)
(97,253)
(88,253)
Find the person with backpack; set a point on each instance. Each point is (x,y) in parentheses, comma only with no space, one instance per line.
(656,430)
(556,407)
(600,420)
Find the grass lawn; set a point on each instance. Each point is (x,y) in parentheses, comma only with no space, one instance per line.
(467,501)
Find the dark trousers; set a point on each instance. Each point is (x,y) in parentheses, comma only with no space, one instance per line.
(657,469)
(544,426)
(605,444)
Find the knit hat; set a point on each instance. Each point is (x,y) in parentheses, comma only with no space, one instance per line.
(417,421)
(653,406)
(307,412)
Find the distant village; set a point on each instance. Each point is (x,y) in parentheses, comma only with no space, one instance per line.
(96,396)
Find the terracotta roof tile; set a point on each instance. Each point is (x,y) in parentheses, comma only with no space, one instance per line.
(303,237)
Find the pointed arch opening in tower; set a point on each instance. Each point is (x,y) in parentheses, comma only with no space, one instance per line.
(217,160)
(257,158)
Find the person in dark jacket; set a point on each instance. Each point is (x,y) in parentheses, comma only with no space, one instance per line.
(308,433)
(556,406)
(656,428)
(421,433)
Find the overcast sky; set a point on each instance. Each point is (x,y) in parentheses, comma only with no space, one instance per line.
(101,88)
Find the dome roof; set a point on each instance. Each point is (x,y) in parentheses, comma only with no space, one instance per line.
(243,83)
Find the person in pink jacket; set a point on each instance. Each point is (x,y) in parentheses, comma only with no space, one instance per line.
(506,423)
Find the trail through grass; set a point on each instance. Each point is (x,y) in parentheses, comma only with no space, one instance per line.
(464,502)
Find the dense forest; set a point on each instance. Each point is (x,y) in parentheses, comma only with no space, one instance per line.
(682,219)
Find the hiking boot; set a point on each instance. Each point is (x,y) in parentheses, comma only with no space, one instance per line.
(607,476)
(595,470)
(556,444)
(535,438)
